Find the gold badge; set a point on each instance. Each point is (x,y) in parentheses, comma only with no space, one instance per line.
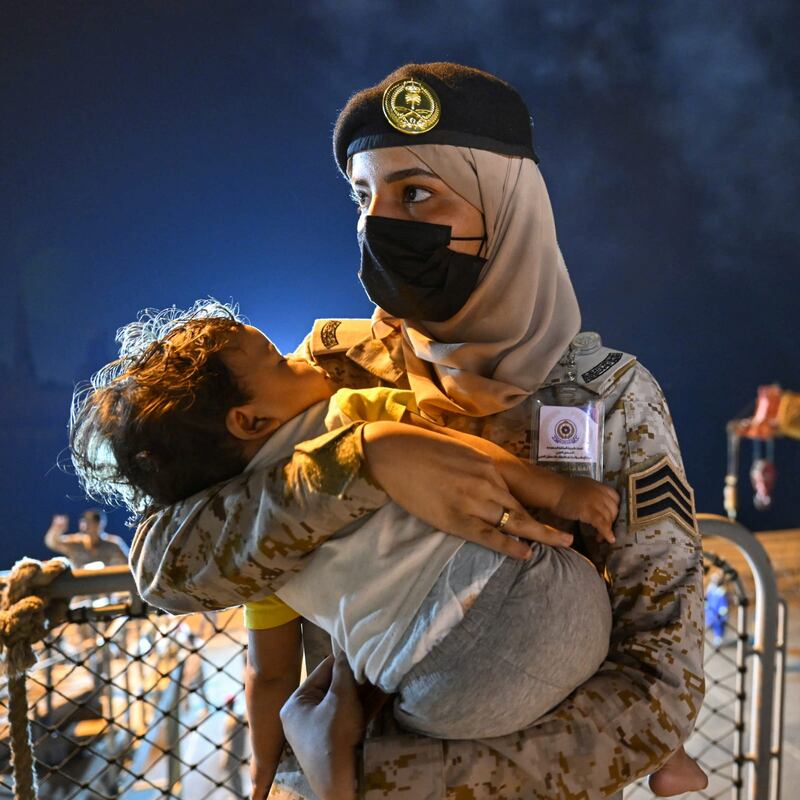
(411,106)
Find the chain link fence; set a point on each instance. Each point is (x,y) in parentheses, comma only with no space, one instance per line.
(718,741)
(738,734)
(127,703)
(136,707)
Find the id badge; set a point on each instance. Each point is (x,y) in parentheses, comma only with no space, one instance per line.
(569,438)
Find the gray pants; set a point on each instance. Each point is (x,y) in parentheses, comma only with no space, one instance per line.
(537,631)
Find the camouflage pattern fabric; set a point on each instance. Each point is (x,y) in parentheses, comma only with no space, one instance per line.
(241,540)
(641,705)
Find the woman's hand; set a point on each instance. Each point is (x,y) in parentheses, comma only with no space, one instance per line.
(451,486)
(324,721)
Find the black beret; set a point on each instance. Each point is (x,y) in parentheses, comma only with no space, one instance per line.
(476,109)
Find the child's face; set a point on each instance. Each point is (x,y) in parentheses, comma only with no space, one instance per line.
(279,388)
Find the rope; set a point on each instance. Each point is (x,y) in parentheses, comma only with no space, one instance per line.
(25,619)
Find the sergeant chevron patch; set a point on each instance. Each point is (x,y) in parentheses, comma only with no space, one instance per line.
(659,491)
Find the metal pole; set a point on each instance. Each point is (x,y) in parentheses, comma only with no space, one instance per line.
(90,582)
(780,698)
(741,693)
(48,681)
(764,647)
(173,732)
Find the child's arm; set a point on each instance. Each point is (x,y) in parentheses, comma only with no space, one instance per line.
(272,674)
(570,498)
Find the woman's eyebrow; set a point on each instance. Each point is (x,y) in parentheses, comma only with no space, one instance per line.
(414,172)
(401,174)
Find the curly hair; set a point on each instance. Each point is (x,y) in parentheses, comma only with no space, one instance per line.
(149,428)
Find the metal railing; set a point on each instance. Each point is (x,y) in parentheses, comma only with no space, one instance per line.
(738,737)
(129,703)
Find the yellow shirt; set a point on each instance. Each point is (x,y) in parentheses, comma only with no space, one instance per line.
(379,403)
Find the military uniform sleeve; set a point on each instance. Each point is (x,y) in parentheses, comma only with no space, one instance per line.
(243,539)
(641,705)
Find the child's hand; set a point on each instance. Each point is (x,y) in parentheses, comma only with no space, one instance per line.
(588,501)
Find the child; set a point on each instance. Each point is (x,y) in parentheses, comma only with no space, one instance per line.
(196,398)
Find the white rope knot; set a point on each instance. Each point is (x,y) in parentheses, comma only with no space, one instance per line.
(24,617)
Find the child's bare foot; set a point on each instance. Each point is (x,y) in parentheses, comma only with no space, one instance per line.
(680,774)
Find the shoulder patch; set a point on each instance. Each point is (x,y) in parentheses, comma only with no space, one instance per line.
(338,335)
(602,369)
(595,372)
(328,333)
(659,491)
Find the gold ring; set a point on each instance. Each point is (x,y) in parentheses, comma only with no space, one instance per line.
(504,518)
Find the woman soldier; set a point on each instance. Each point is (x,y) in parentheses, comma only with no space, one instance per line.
(474,311)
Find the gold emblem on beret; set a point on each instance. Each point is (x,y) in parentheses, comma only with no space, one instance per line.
(411,106)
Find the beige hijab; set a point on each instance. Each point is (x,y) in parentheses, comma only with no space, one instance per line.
(518,321)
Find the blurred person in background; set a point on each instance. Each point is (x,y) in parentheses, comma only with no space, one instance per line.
(90,545)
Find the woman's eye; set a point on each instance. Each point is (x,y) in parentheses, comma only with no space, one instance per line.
(359,198)
(415,194)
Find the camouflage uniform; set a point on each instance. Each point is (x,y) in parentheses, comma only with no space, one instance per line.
(244,538)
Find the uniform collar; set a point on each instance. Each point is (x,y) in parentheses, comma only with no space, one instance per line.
(353,338)
(381,357)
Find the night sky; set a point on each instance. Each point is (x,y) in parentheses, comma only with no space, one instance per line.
(154,153)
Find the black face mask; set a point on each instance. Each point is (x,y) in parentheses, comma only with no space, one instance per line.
(408,270)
